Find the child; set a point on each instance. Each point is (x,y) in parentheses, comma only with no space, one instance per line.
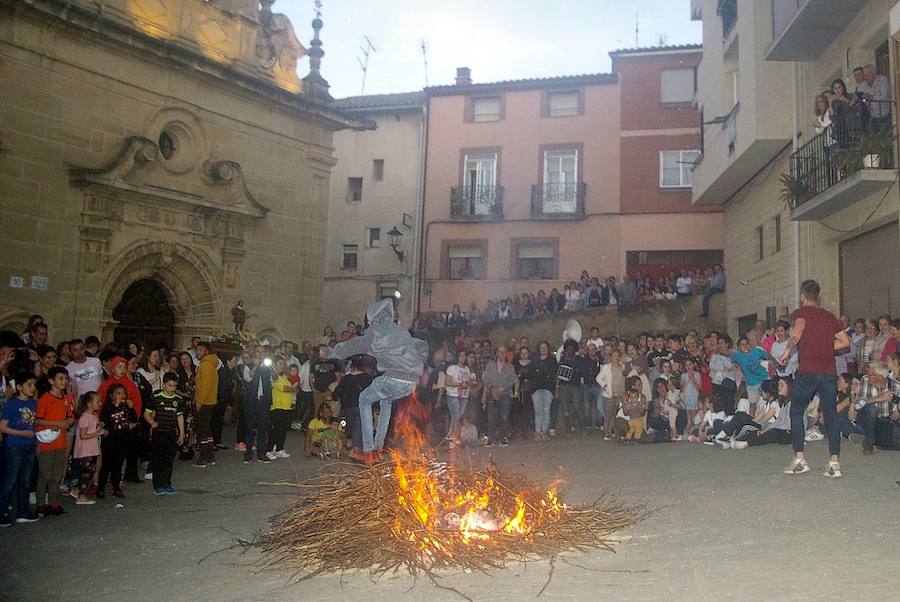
(672,404)
(690,388)
(713,420)
(696,424)
(54,411)
(87,445)
(634,407)
(165,415)
(17,423)
(321,435)
(120,418)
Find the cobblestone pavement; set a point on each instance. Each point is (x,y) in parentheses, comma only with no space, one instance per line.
(730,525)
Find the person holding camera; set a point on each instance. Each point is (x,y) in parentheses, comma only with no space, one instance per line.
(257,401)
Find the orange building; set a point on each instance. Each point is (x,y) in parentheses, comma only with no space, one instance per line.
(529,182)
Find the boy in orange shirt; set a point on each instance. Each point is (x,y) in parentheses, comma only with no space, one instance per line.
(54,412)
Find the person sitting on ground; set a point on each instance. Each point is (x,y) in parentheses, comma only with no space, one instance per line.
(713,421)
(634,408)
(847,388)
(872,401)
(771,431)
(743,421)
(322,435)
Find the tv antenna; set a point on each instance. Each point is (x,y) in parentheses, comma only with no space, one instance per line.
(367,49)
(424,58)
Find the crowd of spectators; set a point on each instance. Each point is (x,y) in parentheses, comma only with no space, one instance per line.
(587,292)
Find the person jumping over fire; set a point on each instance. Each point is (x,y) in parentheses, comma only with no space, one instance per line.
(401,359)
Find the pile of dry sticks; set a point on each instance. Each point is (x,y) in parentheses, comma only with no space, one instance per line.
(365,519)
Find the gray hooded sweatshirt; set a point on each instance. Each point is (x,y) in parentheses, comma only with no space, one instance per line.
(399,355)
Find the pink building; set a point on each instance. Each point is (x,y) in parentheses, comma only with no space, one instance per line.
(529,182)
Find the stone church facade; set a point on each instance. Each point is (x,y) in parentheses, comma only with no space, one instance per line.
(161,160)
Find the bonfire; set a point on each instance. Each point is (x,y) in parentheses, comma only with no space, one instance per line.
(418,514)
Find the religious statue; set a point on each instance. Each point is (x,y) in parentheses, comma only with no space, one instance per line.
(238,315)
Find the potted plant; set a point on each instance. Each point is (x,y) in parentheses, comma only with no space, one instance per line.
(870,150)
(795,191)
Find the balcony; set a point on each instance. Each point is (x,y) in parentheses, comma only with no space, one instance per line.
(838,168)
(476,202)
(803,29)
(558,201)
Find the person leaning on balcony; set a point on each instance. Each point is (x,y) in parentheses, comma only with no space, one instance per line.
(840,105)
(877,92)
(716,285)
(823,118)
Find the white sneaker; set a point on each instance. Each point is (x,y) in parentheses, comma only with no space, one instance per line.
(814,436)
(834,470)
(739,445)
(297,426)
(282,454)
(723,443)
(271,456)
(796,466)
(148,476)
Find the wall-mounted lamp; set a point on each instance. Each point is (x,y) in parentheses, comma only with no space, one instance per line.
(395,235)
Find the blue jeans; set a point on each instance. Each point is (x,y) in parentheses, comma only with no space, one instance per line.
(805,387)
(457,407)
(593,405)
(542,400)
(384,390)
(17,467)
(866,418)
(706,297)
(257,427)
(848,428)
(498,418)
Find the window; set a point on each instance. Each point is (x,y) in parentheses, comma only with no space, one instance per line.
(676,168)
(373,237)
(350,255)
(378,169)
(354,189)
(486,109)
(735,87)
(562,104)
(386,290)
(480,170)
(466,262)
(534,261)
(560,188)
(777,233)
(760,241)
(676,85)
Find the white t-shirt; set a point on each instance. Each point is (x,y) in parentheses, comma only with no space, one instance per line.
(684,285)
(773,405)
(87,376)
(598,342)
(710,417)
(154,378)
(461,375)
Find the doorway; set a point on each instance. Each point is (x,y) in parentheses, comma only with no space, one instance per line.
(144,315)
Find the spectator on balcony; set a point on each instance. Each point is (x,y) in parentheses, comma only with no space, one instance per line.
(627,290)
(555,301)
(840,105)
(823,121)
(684,284)
(573,297)
(504,311)
(456,319)
(877,91)
(716,286)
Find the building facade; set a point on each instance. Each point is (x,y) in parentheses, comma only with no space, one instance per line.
(374,204)
(798,204)
(162,161)
(529,182)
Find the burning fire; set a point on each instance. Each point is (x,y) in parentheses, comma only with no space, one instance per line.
(443,506)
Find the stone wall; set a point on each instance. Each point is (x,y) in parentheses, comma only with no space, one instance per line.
(624,321)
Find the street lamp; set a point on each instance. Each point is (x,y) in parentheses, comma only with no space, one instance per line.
(395,235)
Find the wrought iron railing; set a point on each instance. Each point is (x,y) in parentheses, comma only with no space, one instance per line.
(855,141)
(558,200)
(476,202)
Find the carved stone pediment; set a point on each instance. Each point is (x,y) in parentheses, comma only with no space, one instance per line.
(209,187)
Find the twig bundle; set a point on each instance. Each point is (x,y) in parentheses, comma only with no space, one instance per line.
(367,520)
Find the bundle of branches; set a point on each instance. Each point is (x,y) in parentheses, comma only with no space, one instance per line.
(424,517)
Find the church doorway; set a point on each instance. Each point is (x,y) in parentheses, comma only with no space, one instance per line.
(144,315)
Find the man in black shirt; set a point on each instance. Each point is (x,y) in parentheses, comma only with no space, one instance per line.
(347,392)
(591,393)
(568,376)
(323,372)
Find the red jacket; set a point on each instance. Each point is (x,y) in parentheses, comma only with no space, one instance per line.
(131,390)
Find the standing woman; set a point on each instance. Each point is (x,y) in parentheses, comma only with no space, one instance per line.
(544,382)
(840,104)
(187,377)
(459,377)
(523,409)
(151,370)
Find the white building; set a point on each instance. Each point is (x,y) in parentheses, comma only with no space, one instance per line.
(373,209)
(763,65)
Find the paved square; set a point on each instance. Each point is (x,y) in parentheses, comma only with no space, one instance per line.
(729,525)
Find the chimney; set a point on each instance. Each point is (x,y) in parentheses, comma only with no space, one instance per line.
(463,76)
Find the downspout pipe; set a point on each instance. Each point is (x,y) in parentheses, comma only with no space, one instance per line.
(795,140)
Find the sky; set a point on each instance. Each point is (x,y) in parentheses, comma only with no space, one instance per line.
(496,39)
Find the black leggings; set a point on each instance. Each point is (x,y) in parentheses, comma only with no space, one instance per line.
(737,422)
(281,423)
(770,436)
(114,453)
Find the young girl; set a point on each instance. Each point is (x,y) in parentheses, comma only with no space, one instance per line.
(713,420)
(673,404)
(690,388)
(87,445)
(118,413)
(695,425)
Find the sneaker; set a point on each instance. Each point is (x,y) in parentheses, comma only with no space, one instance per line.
(210,462)
(264,460)
(813,436)
(247,459)
(85,501)
(694,439)
(552,432)
(31,518)
(607,438)
(271,455)
(739,445)
(241,447)
(504,442)
(723,443)
(159,490)
(834,470)
(5,522)
(677,438)
(371,458)
(198,464)
(148,476)
(282,454)
(707,442)
(170,491)
(73,493)
(488,444)
(797,466)
(297,426)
